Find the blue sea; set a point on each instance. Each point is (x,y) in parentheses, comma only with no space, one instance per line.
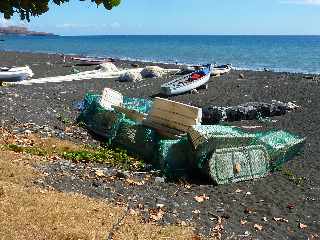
(277,53)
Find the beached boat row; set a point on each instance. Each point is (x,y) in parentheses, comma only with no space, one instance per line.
(198,77)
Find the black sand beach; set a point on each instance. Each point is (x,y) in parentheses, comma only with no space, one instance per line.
(48,106)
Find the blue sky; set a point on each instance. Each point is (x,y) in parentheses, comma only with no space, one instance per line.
(181,17)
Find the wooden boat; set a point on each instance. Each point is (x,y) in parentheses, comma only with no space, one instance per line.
(15,74)
(220,70)
(187,82)
(86,61)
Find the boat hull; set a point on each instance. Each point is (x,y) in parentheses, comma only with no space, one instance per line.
(167,90)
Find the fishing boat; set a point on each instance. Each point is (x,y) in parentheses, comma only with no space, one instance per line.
(86,61)
(220,70)
(188,82)
(15,74)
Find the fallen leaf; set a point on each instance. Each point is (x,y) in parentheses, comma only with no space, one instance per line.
(183,223)
(133,182)
(201,198)
(238,191)
(196,211)
(248,211)
(258,227)
(99,173)
(156,214)
(243,222)
(265,219)
(302,226)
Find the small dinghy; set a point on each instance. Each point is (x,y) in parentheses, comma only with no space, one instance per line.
(89,61)
(188,82)
(15,74)
(220,70)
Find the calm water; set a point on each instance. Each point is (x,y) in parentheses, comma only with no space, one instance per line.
(279,53)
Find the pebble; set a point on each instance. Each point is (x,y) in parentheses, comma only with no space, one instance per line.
(159,180)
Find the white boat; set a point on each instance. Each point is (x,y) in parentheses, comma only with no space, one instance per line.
(15,74)
(188,82)
(220,70)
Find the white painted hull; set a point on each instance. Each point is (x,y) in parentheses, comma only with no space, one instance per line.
(182,85)
(220,71)
(16,74)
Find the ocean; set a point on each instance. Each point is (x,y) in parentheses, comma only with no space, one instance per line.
(277,53)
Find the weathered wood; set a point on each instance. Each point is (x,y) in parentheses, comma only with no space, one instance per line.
(132,114)
(163,114)
(170,124)
(178,108)
(163,130)
(111,98)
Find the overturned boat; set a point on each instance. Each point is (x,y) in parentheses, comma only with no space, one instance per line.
(15,74)
(188,82)
(220,70)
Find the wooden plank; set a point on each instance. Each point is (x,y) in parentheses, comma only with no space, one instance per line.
(165,115)
(179,108)
(171,124)
(111,98)
(163,130)
(132,114)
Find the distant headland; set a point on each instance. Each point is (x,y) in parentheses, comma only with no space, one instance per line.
(17,30)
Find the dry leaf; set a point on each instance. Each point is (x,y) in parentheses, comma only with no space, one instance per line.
(302,226)
(133,182)
(265,219)
(258,227)
(243,222)
(156,214)
(238,191)
(201,198)
(248,211)
(196,211)
(99,173)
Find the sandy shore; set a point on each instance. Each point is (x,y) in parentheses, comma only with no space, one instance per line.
(48,106)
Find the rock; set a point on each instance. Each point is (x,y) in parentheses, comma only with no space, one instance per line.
(121,174)
(130,76)
(152,72)
(241,76)
(27,132)
(194,91)
(159,180)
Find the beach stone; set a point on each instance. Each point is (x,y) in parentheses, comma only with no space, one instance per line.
(241,76)
(159,180)
(194,91)
(152,72)
(130,76)
(121,174)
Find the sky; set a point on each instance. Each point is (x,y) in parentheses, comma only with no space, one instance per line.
(178,17)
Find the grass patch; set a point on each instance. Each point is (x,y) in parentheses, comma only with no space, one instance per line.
(113,157)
